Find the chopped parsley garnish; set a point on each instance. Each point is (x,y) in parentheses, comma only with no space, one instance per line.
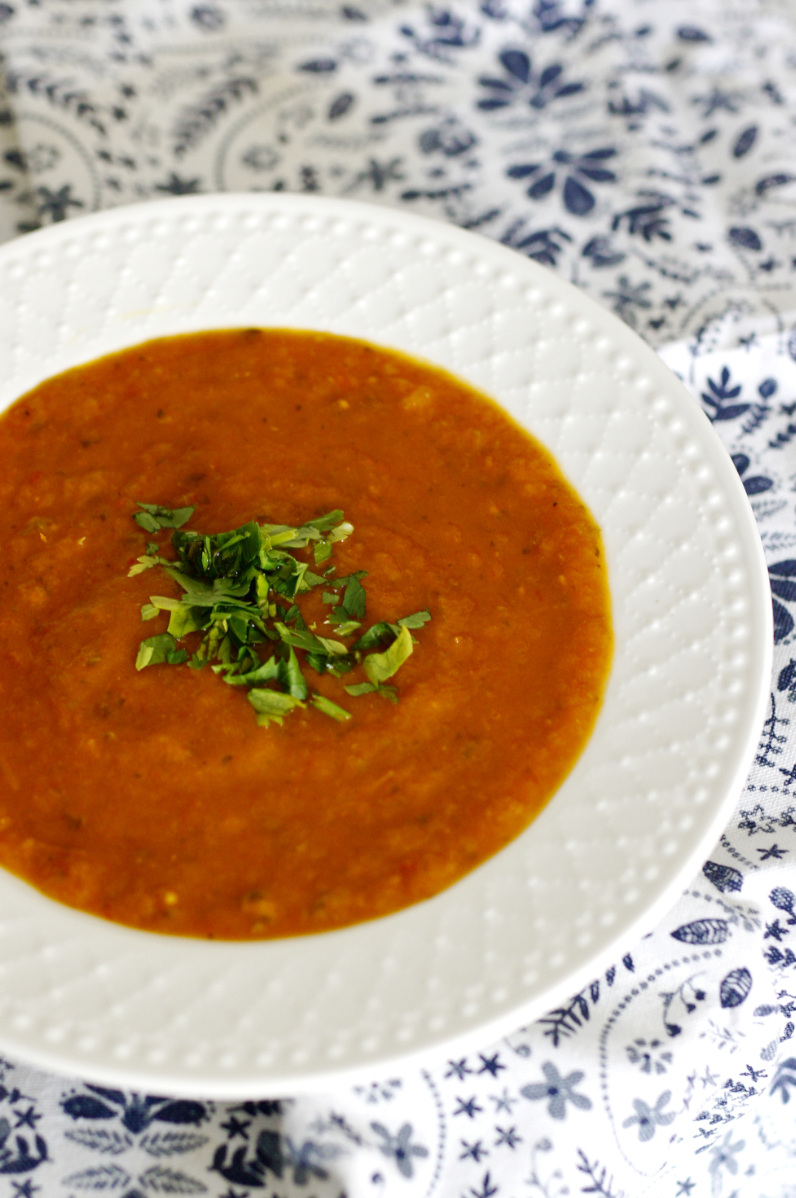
(239,603)
(153,517)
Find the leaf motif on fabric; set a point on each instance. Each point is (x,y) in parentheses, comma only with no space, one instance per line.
(172,1142)
(517,63)
(724,877)
(319,66)
(770,181)
(744,141)
(84,1106)
(703,931)
(735,988)
(785,588)
(744,238)
(182,1111)
(783,622)
(340,106)
(99,1177)
(100,1139)
(577,199)
(691,33)
(161,1180)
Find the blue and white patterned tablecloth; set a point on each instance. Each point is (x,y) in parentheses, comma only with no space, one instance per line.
(645,150)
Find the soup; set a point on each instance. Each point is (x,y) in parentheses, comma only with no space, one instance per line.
(153,796)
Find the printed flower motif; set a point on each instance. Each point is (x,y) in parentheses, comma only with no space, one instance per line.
(649,1055)
(628,297)
(399,1147)
(177,186)
(718,100)
(380,1091)
(558,1090)
(578,199)
(723,1157)
(648,1118)
(522,83)
(56,204)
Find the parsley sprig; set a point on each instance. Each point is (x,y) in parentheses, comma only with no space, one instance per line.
(240,596)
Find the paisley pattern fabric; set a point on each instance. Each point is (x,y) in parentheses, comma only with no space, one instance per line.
(644,150)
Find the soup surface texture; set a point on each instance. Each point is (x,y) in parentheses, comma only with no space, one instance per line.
(152,797)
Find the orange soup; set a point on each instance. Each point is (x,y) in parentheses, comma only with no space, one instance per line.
(152,796)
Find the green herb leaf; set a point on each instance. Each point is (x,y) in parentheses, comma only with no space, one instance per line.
(301,638)
(416,620)
(185,619)
(341,531)
(145,562)
(328,522)
(332,647)
(153,517)
(268,671)
(157,650)
(228,555)
(293,616)
(337,584)
(373,688)
(283,535)
(376,635)
(343,627)
(381,666)
(382,632)
(271,705)
(291,677)
(354,598)
(329,708)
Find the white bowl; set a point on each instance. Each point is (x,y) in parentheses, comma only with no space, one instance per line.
(676,734)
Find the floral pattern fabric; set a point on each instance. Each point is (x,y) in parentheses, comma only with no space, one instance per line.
(644,150)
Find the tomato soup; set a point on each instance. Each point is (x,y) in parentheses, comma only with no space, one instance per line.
(153,797)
